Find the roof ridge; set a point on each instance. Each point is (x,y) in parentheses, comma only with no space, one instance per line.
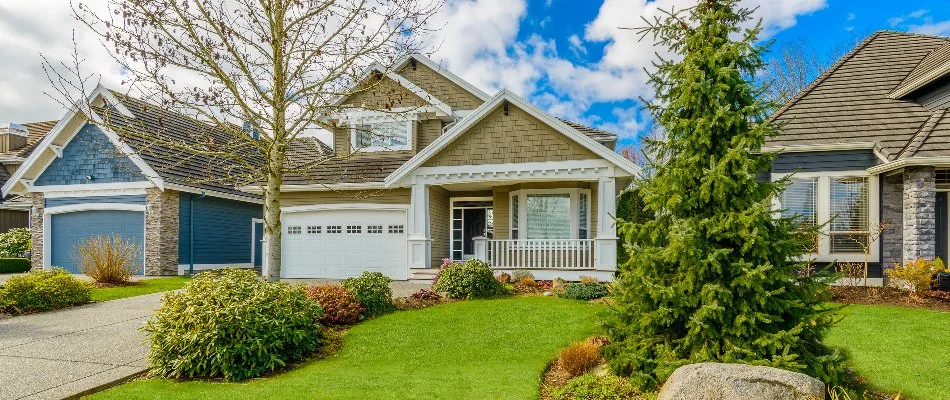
(922,134)
(824,75)
(912,34)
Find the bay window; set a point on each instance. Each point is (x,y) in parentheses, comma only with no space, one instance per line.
(550,214)
(842,203)
(381,134)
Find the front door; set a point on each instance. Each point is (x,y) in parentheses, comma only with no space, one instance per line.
(473,226)
(470,219)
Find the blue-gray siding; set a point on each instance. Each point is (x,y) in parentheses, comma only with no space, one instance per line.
(68,201)
(70,229)
(222,229)
(90,153)
(817,161)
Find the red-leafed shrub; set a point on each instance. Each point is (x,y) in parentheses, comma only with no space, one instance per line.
(427,295)
(339,305)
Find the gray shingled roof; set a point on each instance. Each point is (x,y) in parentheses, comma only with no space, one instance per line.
(36,132)
(849,102)
(931,67)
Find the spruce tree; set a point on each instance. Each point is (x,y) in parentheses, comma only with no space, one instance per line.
(712,277)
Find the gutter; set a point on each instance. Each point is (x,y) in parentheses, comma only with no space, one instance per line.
(909,162)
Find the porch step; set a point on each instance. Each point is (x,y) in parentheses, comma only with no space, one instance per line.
(422,275)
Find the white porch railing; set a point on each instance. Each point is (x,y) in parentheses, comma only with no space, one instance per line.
(538,253)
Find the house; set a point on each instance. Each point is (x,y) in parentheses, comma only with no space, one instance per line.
(441,171)
(446,171)
(868,147)
(16,143)
(83,181)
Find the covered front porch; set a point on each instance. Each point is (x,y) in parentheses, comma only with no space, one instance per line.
(553,219)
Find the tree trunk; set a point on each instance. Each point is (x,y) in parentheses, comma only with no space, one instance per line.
(272,226)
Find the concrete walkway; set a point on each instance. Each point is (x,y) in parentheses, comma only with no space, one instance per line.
(65,353)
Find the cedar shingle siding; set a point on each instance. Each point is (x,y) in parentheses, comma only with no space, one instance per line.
(90,153)
(514,138)
(437,85)
(385,94)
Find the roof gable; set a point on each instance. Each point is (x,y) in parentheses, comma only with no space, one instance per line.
(436,82)
(487,110)
(89,157)
(933,67)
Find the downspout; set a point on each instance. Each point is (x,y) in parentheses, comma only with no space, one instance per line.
(191,233)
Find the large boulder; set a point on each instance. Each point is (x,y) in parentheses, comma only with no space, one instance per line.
(716,381)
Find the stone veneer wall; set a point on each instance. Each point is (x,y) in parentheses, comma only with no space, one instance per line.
(892,216)
(36,231)
(920,230)
(161,232)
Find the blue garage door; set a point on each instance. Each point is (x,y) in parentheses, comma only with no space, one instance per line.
(69,229)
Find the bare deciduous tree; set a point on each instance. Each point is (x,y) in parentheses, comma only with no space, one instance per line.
(794,66)
(273,67)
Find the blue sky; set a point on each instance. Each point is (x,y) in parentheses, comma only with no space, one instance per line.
(569,57)
(559,41)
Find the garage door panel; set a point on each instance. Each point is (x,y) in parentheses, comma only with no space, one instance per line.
(70,229)
(345,243)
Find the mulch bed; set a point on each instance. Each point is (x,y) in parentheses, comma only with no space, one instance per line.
(933,299)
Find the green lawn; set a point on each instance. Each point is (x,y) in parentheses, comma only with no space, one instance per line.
(146,286)
(898,349)
(482,349)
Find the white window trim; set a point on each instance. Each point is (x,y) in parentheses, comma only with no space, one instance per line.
(575,204)
(824,213)
(381,118)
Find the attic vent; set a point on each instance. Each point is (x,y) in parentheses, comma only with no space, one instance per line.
(412,62)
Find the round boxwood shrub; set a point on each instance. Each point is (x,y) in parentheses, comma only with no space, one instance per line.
(43,290)
(372,289)
(340,307)
(468,280)
(584,291)
(230,324)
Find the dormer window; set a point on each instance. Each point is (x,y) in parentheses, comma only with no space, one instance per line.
(378,134)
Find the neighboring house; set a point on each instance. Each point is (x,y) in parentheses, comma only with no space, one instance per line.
(16,143)
(453,174)
(83,181)
(869,143)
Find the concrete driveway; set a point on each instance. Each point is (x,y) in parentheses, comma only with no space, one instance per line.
(66,353)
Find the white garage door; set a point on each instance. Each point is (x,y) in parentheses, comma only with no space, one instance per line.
(340,244)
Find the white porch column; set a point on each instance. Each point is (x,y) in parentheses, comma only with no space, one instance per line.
(605,243)
(420,246)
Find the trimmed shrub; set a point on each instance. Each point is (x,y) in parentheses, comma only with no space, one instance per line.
(229,324)
(14,265)
(918,274)
(468,280)
(108,259)
(584,291)
(43,290)
(592,387)
(372,289)
(580,357)
(15,242)
(340,307)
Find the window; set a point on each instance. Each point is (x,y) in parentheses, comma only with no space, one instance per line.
(313,229)
(374,229)
(293,230)
(582,219)
(800,202)
(354,229)
(396,229)
(514,216)
(550,214)
(381,136)
(848,229)
(334,229)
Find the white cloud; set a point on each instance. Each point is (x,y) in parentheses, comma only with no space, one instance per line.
(920,22)
(28,28)
(478,40)
(851,16)
(933,28)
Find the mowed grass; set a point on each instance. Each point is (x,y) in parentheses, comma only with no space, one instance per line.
(145,286)
(898,349)
(481,349)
